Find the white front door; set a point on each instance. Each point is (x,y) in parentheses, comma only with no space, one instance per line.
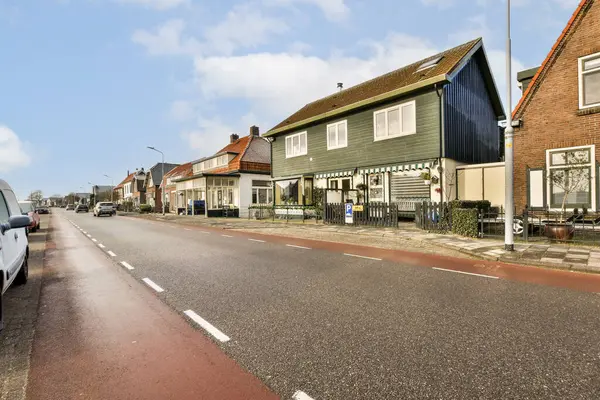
(8,244)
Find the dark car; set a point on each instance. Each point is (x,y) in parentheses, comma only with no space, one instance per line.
(43,210)
(82,208)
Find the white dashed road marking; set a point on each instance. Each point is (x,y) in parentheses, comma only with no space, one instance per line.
(226,235)
(126,265)
(101,245)
(365,257)
(256,240)
(88,235)
(94,240)
(466,273)
(299,395)
(298,247)
(186,229)
(220,336)
(206,233)
(110,253)
(153,285)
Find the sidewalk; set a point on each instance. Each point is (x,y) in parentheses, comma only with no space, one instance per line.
(408,237)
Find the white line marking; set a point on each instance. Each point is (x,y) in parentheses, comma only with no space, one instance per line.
(126,265)
(297,247)
(88,235)
(94,240)
(299,395)
(206,233)
(186,229)
(84,232)
(466,273)
(220,336)
(100,245)
(365,257)
(256,240)
(153,285)
(110,253)
(226,235)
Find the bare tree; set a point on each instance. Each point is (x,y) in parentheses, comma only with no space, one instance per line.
(573,178)
(36,197)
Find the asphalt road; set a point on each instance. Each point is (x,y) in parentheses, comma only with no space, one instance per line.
(335,326)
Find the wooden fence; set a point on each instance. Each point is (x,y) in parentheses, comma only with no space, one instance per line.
(372,214)
(428,216)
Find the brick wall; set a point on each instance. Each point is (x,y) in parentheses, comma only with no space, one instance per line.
(552,119)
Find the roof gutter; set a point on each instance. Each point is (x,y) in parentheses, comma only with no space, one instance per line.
(385,96)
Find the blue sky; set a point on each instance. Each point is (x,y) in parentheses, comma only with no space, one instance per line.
(86,85)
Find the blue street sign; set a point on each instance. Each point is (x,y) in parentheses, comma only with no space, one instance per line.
(349,214)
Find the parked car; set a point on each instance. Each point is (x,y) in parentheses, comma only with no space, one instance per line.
(14,246)
(43,210)
(104,208)
(70,207)
(28,209)
(82,208)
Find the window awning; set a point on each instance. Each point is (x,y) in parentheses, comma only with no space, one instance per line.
(334,174)
(396,168)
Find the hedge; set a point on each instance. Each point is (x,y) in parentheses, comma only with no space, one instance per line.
(464,222)
(476,204)
(145,208)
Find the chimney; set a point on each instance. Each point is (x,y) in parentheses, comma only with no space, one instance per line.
(127,172)
(254,131)
(233,137)
(340,86)
(524,78)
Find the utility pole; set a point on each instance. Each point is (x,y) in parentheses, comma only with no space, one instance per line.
(112,188)
(509,243)
(162,168)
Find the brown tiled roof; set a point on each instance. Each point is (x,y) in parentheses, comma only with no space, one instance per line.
(554,51)
(239,147)
(183,170)
(128,179)
(394,80)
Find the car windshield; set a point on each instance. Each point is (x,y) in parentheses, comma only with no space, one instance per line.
(26,207)
(105,204)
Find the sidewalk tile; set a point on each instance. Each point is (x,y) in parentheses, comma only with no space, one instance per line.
(551,260)
(558,249)
(577,256)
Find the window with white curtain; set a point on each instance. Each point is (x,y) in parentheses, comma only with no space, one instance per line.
(296,145)
(337,135)
(395,121)
(589,81)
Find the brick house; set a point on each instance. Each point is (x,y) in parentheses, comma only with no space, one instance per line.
(180,172)
(559,117)
(153,184)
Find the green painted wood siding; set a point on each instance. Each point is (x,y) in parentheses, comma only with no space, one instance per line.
(362,150)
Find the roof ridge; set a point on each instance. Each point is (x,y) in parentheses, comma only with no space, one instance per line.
(533,85)
(423,60)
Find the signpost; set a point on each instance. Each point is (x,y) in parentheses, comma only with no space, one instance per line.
(349,213)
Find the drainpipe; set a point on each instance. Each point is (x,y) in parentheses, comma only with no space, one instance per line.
(439,89)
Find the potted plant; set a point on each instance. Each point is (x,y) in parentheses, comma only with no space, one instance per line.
(362,189)
(568,181)
(426,176)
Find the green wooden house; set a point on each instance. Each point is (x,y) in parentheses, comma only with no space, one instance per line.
(385,133)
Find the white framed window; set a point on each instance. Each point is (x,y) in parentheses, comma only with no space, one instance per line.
(337,135)
(396,121)
(262,192)
(571,177)
(589,81)
(296,145)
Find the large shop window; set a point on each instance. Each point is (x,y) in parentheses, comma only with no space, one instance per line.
(286,192)
(262,192)
(589,81)
(221,192)
(570,177)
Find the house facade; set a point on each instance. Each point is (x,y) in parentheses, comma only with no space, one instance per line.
(232,179)
(175,201)
(559,120)
(153,185)
(383,134)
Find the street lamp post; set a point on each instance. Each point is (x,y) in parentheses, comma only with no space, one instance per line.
(112,188)
(162,167)
(509,243)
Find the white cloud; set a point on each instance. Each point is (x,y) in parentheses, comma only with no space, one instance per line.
(264,79)
(156,4)
(335,10)
(167,40)
(474,27)
(210,135)
(245,26)
(443,4)
(181,110)
(12,154)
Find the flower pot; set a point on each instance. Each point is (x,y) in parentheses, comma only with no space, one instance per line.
(427,182)
(560,231)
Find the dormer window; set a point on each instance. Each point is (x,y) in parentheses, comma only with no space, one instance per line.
(589,81)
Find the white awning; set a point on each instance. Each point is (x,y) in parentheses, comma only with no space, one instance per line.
(396,168)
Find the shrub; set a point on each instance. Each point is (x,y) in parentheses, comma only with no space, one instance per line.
(476,204)
(464,222)
(145,208)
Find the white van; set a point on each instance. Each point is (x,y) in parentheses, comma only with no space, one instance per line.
(14,246)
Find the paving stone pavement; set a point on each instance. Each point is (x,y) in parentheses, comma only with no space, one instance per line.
(408,237)
(21,310)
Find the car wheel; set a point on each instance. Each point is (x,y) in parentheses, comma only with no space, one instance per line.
(23,273)
(1,308)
